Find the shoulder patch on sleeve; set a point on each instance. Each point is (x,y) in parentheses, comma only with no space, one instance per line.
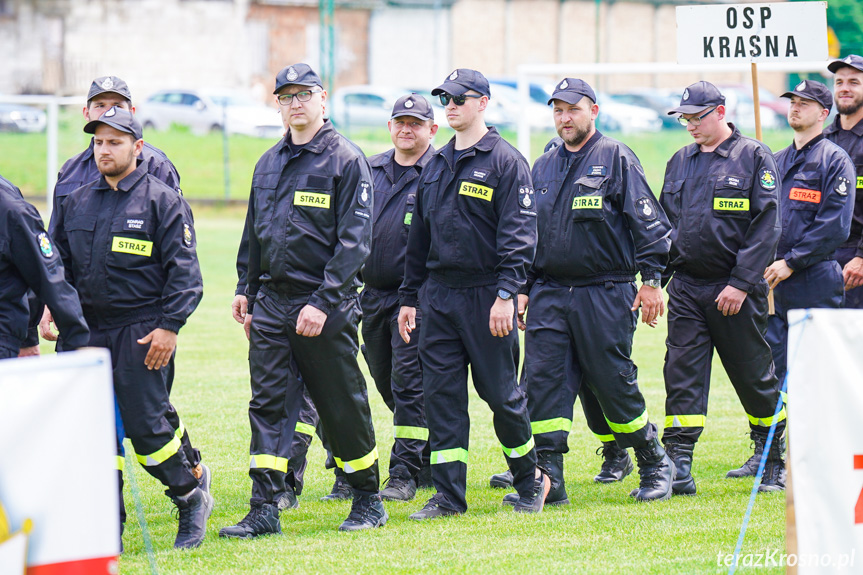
(646,209)
(364,194)
(45,245)
(187,235)
(525,197)
(767,179)
(842,185)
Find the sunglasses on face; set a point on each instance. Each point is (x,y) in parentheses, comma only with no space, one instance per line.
(459,100)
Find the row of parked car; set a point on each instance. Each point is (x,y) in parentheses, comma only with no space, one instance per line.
(367,106)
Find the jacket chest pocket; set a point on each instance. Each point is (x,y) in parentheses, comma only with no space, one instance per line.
(264,187)
(670,199)
(132,243)
(805,193)
(410,204)
(731,197)
(476,196)
(80,231)
(588,201)
(314,200)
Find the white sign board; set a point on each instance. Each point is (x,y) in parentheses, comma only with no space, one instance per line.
(825,438)
(776,32)
(58,460)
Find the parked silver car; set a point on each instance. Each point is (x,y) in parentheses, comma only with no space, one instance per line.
(21,118)
(206,111)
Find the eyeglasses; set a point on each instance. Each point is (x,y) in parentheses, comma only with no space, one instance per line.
(459,100)
(304,96)
(696,121)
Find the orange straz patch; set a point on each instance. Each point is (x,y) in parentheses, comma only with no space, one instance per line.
(804,195)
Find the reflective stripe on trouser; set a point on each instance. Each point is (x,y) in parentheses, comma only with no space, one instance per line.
(281,362)
(596,422)
(695,327)
(142,399)
(582,337)
(455,333)
(394,366)
(818,286)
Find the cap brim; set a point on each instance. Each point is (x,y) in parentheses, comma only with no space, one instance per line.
(100,92)
(451,88)
(90,127)
(690,109)
(307,84)
(568,97)
(836,64)
(412,115)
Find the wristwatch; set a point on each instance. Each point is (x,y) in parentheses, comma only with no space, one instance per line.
(503,294)
(652,283)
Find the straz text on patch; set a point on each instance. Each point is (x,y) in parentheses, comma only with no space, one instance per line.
(132,246)
(311,200)
(475,191)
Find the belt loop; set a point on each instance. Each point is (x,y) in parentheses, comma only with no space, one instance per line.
(609,285)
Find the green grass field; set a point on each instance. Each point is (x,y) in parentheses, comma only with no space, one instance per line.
(602,531)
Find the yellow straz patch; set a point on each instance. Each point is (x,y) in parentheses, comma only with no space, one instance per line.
(475,191)
(732,205)
(312,200)
(859,182)
(132,246)
(587,203)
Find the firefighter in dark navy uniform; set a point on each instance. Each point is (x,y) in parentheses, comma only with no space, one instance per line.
(28,261)
(598,224)
(471,240)
(128,244)
(846,131)
(815,205)
(721,196)
(309,224)
(394,363)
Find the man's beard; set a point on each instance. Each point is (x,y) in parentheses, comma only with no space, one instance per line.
(850,109)
(578,138)
(119,168)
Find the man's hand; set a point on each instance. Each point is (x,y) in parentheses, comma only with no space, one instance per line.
(776,272)
(239,307)
(407,322)
(311,321)
(162,342)
(651,303)
(247,326)
(45,329)
(500,317)
(522,308)
(730,300)
(28,351)
(853,273)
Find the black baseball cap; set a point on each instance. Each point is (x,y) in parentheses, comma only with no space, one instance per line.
(299,75)
(462,80)
(413,105)
(109,84)
(697,97)
(812,90)
(851,60)
(572,90)
(119,119)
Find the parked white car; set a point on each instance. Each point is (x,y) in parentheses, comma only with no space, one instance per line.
(21,118)
(206,111)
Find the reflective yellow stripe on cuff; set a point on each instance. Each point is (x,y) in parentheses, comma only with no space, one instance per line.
(407,432)
(604,438)
(264,461)
(449,456)
(767,421)
(685,420)
(304,428)
(363,462)
(120,461)
(516,452)
(162,455)
(784,397)
(181,430)
(549,425)
(631,427)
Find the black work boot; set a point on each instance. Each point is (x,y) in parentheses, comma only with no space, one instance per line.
(400,486)
(367,512)
(262,519)
(773,478)
(750,468)
(656,470)
(434,508)
(195,509)
(424,478)
(501,480)
(289,499)
(341,490)
(535,501)
(616,463)
(681,455)
(552,463)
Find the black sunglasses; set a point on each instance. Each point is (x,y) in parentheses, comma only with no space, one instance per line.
(459,100)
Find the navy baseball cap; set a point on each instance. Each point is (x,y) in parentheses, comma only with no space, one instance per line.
(812,90)
(462,80)
(851,60)
(119,119)
(572,90)
(299,75)
(697,97)
(413,105)
(109,84)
